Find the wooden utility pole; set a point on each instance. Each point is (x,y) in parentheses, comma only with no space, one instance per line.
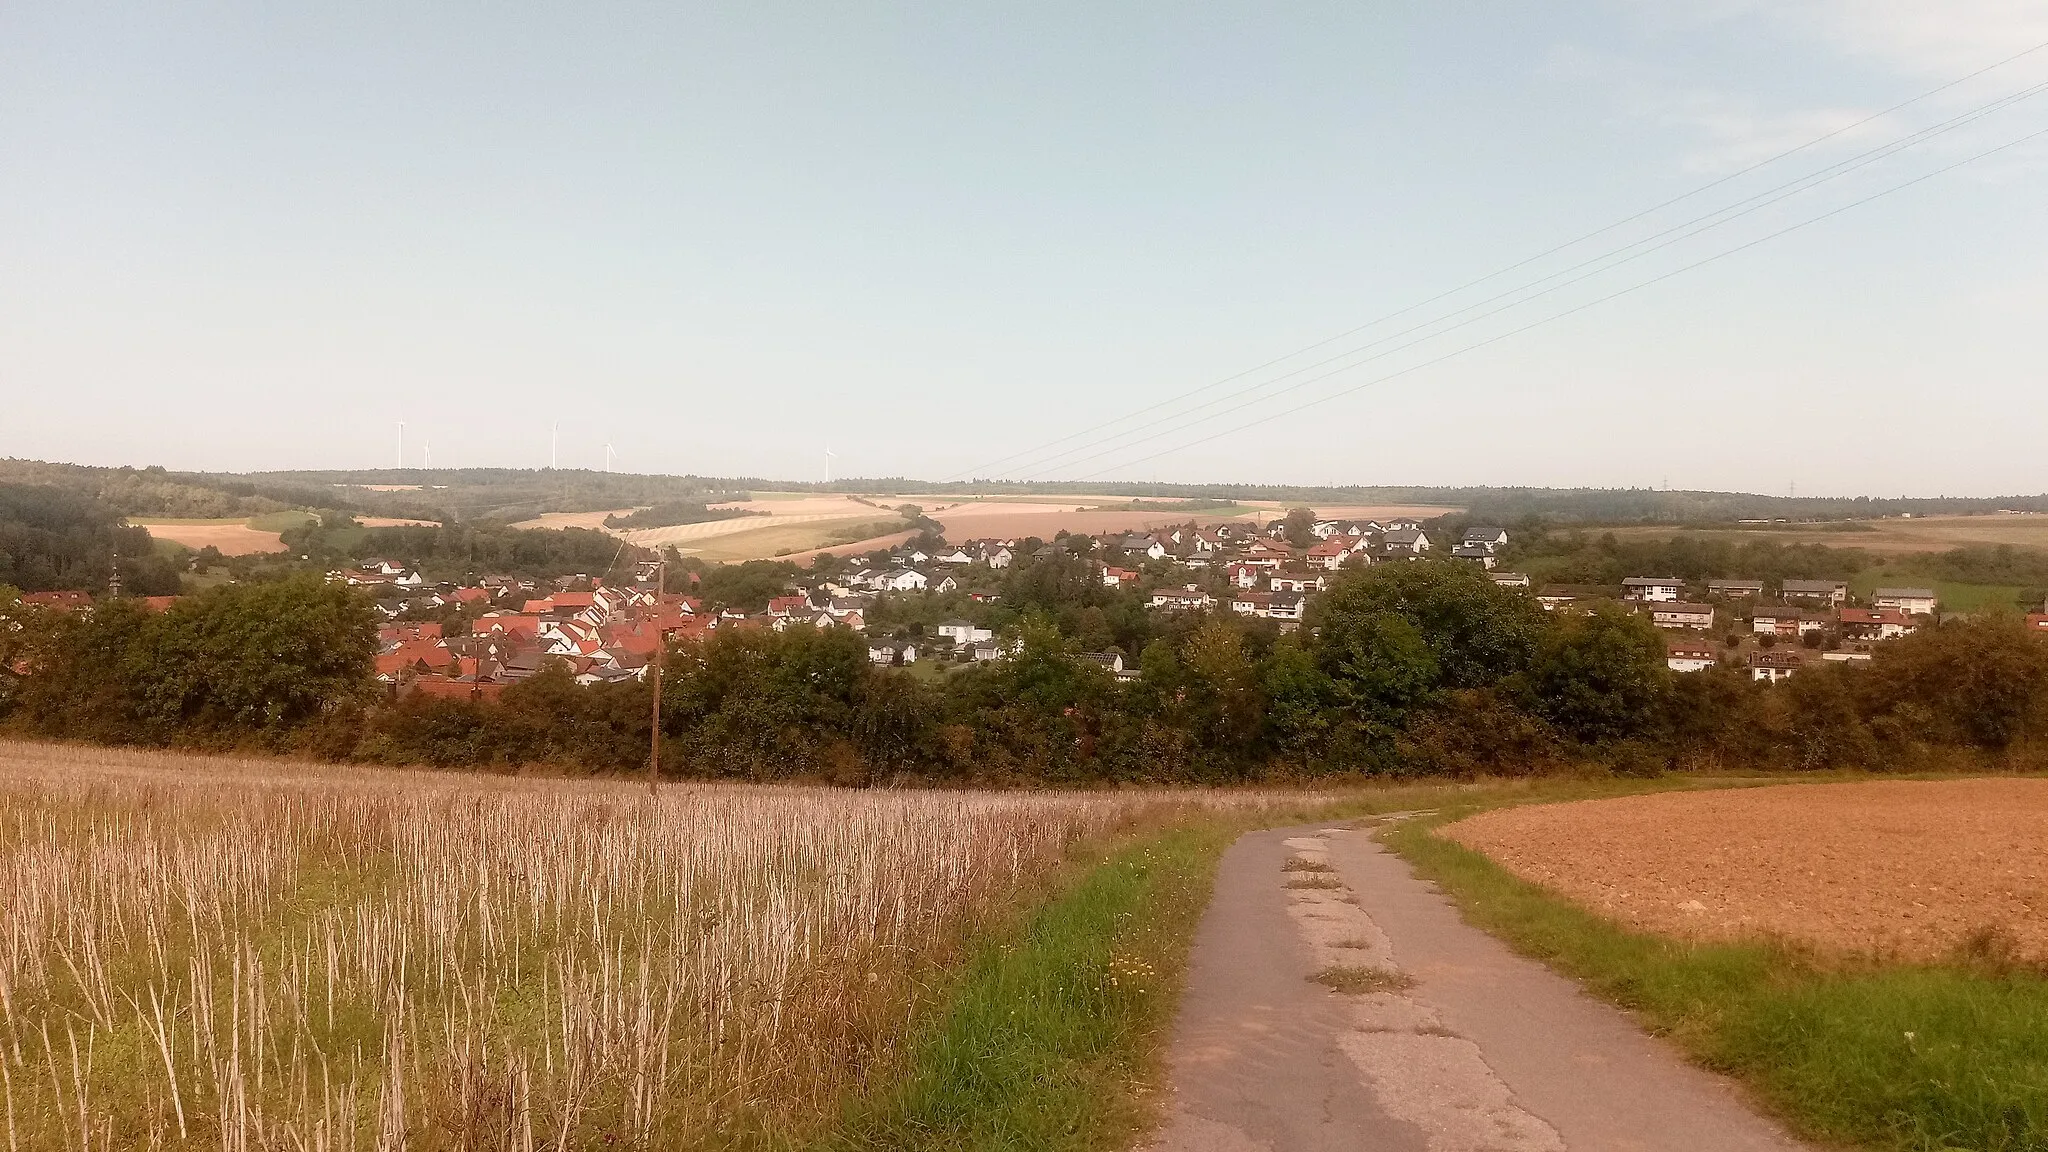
(660,650)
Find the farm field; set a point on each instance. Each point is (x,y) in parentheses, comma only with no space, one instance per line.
(1913,870)
(233,537)
(221,953)
(1920,534)
(799,525)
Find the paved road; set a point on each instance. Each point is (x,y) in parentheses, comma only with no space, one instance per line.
(1448,1042)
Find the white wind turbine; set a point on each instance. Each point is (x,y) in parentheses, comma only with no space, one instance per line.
(607,456)
(828,463)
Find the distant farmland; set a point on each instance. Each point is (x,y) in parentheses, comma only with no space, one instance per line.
(1894,534)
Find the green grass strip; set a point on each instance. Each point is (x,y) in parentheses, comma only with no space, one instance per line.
(1920,1057)
(1052,1034)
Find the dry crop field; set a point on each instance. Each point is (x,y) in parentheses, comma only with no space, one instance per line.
(1897,869)
(243,954)
(1891,535)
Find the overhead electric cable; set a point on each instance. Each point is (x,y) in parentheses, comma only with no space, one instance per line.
(1606,262)
(1707,187)
(2037,134)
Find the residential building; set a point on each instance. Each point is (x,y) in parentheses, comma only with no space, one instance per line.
(1874,623)
(1297,582)
(1784,620)
(1828,592)
(1735,589)
(1118,577)
(1911,601)
(1487,537)
(1114,661)
(1689,656)
(1252,603)
(902,580)
(1510,579)
(1476,552)
(1774,664)
(1404,541)
(963,631)
(891,652)
(1188,598)
(1652,588)
(1287,606)
(1678,614)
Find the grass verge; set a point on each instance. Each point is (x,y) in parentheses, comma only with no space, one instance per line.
(1051,1034)
(1920,1057)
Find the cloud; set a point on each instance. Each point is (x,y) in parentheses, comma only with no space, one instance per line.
(1920,38)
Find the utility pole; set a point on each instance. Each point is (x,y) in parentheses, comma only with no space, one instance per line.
(660,650)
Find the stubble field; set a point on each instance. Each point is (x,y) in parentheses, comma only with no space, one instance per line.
(1901,869)
(215,953)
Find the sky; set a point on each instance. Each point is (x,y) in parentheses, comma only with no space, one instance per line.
(1055,240)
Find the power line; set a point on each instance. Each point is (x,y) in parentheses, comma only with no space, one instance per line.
(1606,261)
(1581,307)
(1707,187)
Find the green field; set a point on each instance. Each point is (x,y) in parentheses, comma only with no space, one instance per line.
(1955,597)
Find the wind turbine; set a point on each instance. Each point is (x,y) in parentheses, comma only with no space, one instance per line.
(401,443)
(427,454)
(554,442)
(828,463)
(607,456)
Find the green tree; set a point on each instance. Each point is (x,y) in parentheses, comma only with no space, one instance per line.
(1599,676)
(1300,527)
(1477,633)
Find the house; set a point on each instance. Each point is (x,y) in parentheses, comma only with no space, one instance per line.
(1297,582)
(1874,623)
(902,580)
(1652,588)
(1114,661)
(1774,664)
(1783,620)
(1828,592)
(1329,554)
(1846,657)
(1404,541)
(1241,575)
(982,651)
(998,557)
(1911,601)
(1689,656)
(963,631)
(1252,603)
(1476,552)
(1191,597)
(1509,579)
(58,601)
(1147,545)
(1678,614)
(1286,606)
(946,584)
(1735,589)
(892,652)
(956,556)
(788,605)
(1118,577)
(1488,537)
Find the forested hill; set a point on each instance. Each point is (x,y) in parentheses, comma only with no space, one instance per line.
(52,538)
(506,495)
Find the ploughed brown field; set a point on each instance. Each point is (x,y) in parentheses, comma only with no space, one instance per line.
(1911,869)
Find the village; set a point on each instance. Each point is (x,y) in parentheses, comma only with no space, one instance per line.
(471,640)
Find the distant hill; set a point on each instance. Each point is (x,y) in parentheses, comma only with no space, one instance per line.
(506,495)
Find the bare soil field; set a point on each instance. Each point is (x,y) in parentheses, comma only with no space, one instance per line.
(1921,534)
(1906,869)
(232,537)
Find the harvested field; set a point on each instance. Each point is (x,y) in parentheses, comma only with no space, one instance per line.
(201,952)
(232,537)
(1900,868)
(1920,534)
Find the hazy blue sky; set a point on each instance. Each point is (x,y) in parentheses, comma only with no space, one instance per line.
(932,236)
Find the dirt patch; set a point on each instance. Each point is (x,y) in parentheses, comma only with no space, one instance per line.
(1909,869)
(233,538)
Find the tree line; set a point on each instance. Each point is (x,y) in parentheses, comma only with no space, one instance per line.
(1403,670)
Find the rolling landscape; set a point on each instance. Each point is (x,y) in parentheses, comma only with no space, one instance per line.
(1023,578)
